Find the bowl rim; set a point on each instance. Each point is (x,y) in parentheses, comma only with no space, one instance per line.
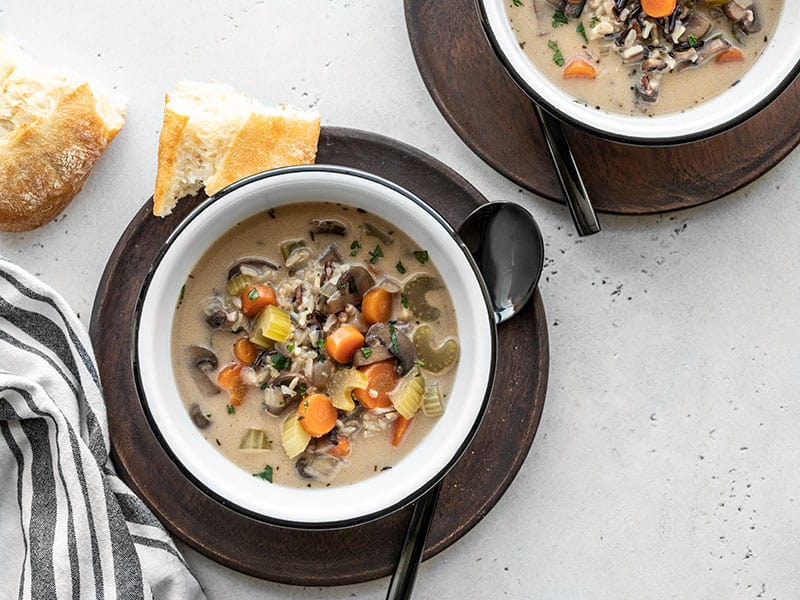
(629,139)
(334,523)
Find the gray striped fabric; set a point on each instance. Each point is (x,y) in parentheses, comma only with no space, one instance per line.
(69,528)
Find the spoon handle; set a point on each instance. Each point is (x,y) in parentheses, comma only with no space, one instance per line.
(404,576)
(583,214)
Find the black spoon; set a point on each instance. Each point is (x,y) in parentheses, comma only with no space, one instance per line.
(507,246)
(569,176)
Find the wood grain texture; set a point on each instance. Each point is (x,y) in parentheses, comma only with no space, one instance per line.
(339,556)
(495,118)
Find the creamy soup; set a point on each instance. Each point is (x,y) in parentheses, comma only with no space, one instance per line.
(314,345)
(614,56)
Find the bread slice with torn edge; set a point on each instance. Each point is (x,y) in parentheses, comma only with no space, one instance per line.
(212,136)
(54,125)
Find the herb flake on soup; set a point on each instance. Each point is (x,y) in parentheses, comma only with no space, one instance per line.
(314,344)
(643,56)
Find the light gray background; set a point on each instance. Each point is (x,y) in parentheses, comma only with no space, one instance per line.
(666,461)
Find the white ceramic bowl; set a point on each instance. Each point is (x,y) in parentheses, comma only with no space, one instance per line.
(770,75)
(335,506)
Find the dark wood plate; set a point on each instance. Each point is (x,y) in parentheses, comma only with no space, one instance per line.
(339,556)
(496,119)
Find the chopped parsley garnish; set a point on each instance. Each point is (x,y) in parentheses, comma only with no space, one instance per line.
(558,58)
(419,362)
(181,294)
(355,247)
(404,300)
(517,3)
(290,347)
(279,361)
(302,390)
(401,268)
(366,352)
(265,474)
(559,18)
(692,40)
(321,350)
(393,336)
(582,32)
(231,409)
(593,23)
(421,256)
(376,254)
(253,294)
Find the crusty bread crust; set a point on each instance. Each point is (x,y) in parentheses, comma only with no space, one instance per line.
(168,147)
(266,142)
(44,164)
(213,135)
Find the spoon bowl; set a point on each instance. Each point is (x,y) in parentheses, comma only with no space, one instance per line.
(507,245)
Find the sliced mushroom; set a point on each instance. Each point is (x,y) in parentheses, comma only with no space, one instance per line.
(375,231)
(743,14)
(351,287)
(697,26)
(573,8)
(202,364)
(710,49)
(646,90)
(318,467)
(385,341)
(330,255)
(653,64)
(219,315)
(285,380)
(197,416)
(332,226)
(376,350)
(251,266)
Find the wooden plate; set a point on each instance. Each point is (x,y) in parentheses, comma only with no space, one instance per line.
(495,118)
(339,556)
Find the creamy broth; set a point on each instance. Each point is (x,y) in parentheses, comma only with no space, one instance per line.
(633,74)
(225,426)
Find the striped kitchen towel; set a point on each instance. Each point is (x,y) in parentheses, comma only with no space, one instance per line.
(69,528)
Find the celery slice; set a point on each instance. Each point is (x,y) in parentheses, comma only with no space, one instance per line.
(293,436)
(407,394)
(435,359)
(432,401)
(255,440)
(341,386)
(274,324)
(238,284)
(414,292)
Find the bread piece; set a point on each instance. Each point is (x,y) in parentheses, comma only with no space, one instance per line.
(213,136)
(53,128)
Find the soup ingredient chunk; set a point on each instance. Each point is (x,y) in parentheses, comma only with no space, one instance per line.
(301,339)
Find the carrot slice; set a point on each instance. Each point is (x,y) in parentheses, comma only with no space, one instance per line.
(578,68)
(376,306)
(381,379)
(343,343)
(257,297)
(400,430)
(230,377)
(245,351)
(341,449)
(730,55)
(658,8)
(317,415)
